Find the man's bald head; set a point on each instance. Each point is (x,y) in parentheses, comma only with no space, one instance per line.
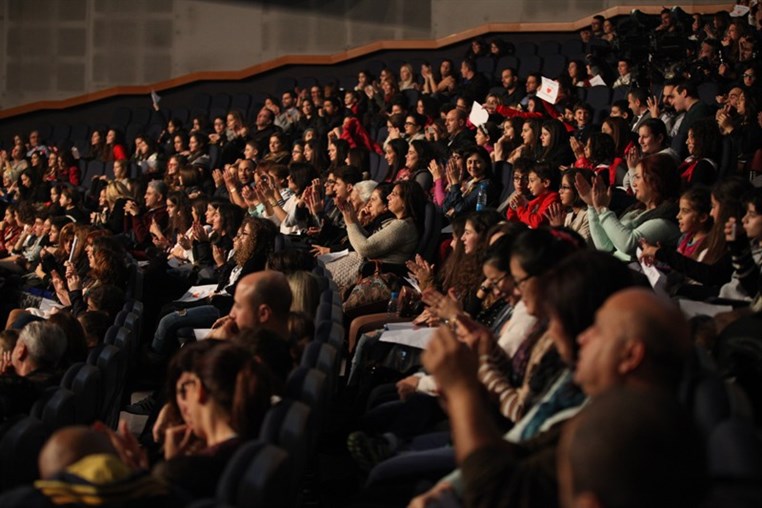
(631,448)
(637,337)
(262,299)
(69,445)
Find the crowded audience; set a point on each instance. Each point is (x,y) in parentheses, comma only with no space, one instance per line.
(582,269)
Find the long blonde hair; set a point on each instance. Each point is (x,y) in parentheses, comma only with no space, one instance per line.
(305,292)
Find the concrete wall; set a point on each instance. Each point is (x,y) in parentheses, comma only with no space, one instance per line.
(55,49)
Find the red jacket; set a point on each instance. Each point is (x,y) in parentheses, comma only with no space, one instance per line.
(533,213)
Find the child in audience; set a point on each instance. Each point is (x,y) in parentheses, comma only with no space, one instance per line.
(542,186)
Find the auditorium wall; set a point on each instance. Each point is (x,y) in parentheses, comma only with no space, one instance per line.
(56,49)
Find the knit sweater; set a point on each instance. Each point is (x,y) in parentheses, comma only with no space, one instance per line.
(622,236)
(394,243)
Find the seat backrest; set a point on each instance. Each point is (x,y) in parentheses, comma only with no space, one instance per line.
(431,228)
(309,386)
(324,312)
(706,396)
(735,452)
(257,475)
(38,407)
(123,339)
(85,383)
(286,425)
(121,316)
(526,48)
(599,96)
(19,448)
(60,410)
(112,363)
(529,64)
(93,168)
(553,65)
(548,48)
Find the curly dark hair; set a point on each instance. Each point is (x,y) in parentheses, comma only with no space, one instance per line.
(260,241)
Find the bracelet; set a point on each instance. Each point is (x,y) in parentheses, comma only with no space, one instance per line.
(272,203)
(232,190)
(281,202)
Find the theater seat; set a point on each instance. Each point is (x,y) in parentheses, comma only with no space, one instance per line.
(309,386)
(257,475)
(286,425)
(85,382)
(19,447)
(60,410)
(112,363)
(432,225)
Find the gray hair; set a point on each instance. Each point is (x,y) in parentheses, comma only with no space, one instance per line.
(159,186)
(45,342)
(365,189)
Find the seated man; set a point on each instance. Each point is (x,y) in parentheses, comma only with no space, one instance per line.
(80,466)
(32,367)
(629,448)
(638,340)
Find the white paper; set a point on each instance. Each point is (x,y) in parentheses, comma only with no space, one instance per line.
(404,325)
(333,256)
(478,115)
(447,229)
(693,308)
(417,338)
(196,293)
(739,10)
(202,333)
(46,305)
(548,91)
(155,97)
(413,284)
(656,277)
(597,81)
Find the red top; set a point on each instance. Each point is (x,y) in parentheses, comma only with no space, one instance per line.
(119,153)
(533,213)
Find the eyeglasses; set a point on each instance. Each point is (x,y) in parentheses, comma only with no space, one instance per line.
(330,182)
(495,283)
(748,75)
(410,124)
(565,187)
(519,282)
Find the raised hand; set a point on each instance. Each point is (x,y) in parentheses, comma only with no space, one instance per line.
(199,233)
(556,214)
(444,307)
(601,193)
(584,189)
(453,364)
(653,106)
(576,147)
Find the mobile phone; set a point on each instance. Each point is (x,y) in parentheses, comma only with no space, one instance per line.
(73,248)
